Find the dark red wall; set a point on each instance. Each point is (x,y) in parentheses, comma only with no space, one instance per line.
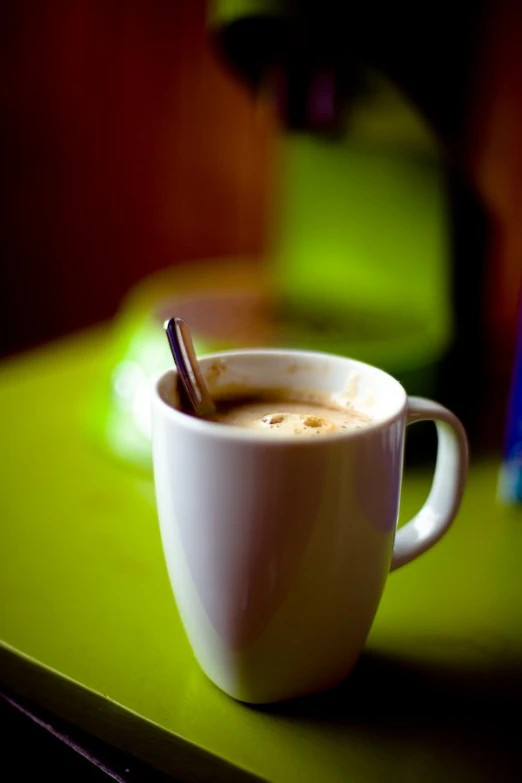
(125,148)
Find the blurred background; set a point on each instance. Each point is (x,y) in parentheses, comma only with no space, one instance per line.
(318,175)
(126,148)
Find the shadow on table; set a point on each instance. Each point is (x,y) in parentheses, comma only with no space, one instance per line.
(429,722)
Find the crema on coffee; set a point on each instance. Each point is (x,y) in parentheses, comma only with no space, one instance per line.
(276,414)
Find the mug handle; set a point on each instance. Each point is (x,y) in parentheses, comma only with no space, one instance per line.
(443,502)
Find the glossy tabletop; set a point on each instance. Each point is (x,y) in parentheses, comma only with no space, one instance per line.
(89,628)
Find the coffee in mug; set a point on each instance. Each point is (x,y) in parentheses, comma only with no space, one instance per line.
(280,412)
(279,541)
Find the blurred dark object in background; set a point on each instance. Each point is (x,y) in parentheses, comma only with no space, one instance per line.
(431,58)
(461,66)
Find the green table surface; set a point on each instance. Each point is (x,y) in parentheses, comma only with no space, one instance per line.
(90,630)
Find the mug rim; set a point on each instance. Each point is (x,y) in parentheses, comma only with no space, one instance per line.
(230,432)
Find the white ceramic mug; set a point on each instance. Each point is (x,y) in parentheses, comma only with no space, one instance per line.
(278,549)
